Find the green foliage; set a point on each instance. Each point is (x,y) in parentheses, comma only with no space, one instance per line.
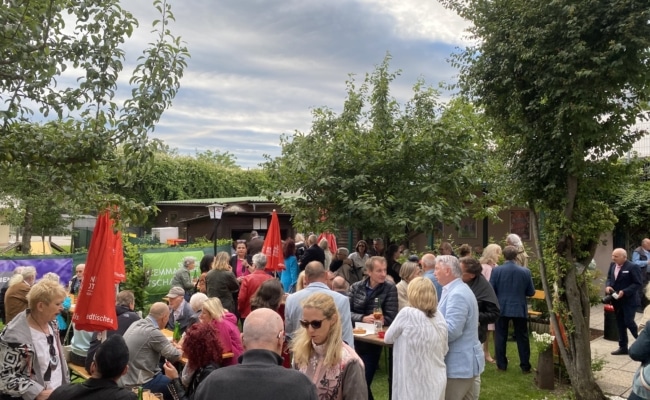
(63,138)
(179,177)
(562,84)
(381,168)
(137,275)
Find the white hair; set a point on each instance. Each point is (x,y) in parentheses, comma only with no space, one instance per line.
(451,262)
(197,300)
(514,240)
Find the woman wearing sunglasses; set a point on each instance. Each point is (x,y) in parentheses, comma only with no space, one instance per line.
(33,364)
(320,353)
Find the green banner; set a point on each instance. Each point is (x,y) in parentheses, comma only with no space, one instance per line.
(164,266)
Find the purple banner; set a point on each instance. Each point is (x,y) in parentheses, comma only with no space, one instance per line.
(60,266)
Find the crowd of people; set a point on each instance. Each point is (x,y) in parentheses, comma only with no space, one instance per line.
(296,337)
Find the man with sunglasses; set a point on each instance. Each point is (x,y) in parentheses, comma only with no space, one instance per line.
(260,374)
(316,280)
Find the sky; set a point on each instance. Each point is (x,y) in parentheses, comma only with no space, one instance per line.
(259,67)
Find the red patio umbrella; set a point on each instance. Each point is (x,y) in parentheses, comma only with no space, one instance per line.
(95,308)
(272,247)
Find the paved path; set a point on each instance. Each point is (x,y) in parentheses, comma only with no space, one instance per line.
(616,376)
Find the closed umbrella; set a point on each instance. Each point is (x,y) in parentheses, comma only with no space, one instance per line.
(272,247)
(331,241)
(95,308)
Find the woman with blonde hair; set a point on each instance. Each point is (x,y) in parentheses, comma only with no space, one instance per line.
(320,353)
(221,282)
(489,260)
(33,363)
(408,271)
(419,334)
(212,312)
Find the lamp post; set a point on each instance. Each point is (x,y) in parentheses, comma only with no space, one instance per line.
(215,213)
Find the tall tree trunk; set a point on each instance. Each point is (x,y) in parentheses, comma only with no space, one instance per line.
(577,355)
(27,232)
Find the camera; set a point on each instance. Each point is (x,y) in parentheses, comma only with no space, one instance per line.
(609,298)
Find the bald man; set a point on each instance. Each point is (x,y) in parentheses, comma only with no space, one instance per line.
(623,283)
(146,345)
(260,374)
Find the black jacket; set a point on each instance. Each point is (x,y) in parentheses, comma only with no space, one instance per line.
(178,391)
(488,304)
(361,304)
(95,389)
(313,253)
(260,376)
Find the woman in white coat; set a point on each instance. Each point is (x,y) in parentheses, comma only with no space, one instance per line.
(419,334)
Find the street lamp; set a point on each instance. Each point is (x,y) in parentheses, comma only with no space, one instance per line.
(215,213)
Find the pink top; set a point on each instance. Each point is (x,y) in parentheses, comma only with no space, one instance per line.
(230,337)
(238,270)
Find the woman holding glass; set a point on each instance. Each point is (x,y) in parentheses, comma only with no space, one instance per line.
(320,353)
(419,333)
(33,363)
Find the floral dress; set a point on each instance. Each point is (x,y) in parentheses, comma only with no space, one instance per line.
(345,381)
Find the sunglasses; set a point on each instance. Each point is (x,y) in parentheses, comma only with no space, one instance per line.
(54,360)
(316,324)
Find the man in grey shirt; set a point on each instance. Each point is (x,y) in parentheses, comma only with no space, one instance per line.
(146,345)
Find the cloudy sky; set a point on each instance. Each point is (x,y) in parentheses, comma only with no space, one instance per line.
(258,67)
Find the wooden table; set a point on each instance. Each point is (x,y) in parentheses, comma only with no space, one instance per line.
(372,339)
(169,334)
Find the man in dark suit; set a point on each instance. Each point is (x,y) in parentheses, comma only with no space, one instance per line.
(313,253)
(623,283)
(512,283)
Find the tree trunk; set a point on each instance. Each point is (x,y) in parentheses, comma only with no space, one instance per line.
(27,232)
(577,356)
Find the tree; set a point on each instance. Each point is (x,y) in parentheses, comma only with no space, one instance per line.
(208,174)
(378,167)
(71,135)
(562,82)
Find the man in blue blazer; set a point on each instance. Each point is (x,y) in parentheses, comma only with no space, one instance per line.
(465,360)
(623,283)
(512,283)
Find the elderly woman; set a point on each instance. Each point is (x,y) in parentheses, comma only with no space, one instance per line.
(33,364)
(419,333)
(514,240)
(320,353)
(196,302)
(221,282)
(62,317)
(203,350)
(225,323)
(183,277)
(325,245)
(409,271)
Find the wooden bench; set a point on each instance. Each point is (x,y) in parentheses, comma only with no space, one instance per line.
(77,371)
(539,295)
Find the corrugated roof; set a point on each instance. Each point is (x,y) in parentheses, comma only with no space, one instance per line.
(220,200)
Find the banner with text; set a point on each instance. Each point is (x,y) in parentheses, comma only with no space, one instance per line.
(164,266)
(60,266)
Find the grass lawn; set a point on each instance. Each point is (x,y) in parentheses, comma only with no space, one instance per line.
(509,385)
